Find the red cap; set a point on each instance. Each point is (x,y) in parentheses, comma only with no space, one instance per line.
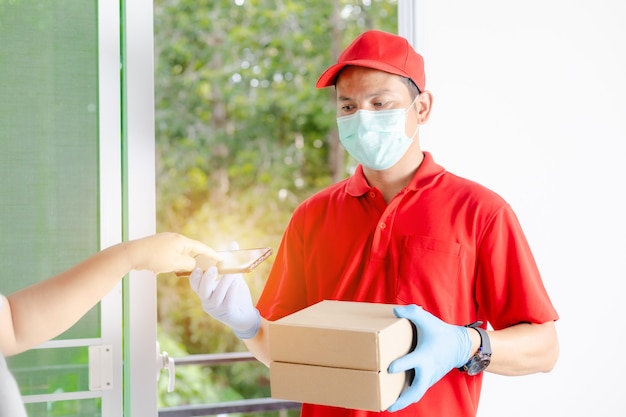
(382,51)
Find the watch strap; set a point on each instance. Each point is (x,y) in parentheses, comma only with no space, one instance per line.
(485,343)
(480,360)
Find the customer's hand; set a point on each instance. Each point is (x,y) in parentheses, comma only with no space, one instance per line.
(166,252)
(228,300)
(440,348)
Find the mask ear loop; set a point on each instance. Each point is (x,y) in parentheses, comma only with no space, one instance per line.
(417,128)
(412,103)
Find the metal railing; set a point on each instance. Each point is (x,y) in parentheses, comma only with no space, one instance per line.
(253,405)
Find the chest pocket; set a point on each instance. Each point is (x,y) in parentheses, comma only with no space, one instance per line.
(428,274)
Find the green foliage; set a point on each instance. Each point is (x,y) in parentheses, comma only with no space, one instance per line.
(243,136)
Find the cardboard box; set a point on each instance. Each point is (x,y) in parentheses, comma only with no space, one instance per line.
(337,353)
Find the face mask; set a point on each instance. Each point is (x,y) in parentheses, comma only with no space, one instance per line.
(376,139)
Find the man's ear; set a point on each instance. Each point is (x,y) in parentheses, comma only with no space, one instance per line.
(424,104)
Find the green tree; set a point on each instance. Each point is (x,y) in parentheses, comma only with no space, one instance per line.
(243,136)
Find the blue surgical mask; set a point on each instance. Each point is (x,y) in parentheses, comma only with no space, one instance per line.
(376,139)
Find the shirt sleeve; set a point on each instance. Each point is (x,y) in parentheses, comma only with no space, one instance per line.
(11,404)
(285,289)
(510,289)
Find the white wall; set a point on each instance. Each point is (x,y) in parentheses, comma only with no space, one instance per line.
(530,100)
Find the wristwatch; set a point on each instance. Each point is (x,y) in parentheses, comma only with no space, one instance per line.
(482,357)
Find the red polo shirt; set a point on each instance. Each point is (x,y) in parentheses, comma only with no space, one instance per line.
(445,243)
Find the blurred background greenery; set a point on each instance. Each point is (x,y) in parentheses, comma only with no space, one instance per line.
(243,136)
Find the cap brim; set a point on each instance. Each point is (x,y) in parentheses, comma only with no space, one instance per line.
(329,76)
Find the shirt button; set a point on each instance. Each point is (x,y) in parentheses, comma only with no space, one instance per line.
(372,194)
(383,225)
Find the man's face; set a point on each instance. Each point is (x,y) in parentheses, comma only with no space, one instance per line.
(360,88)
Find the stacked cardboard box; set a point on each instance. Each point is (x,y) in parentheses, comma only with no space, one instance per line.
(337,353)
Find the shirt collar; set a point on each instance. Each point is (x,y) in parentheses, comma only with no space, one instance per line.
(426,173)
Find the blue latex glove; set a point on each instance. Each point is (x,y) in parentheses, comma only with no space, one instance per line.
(228,300)
(440,348)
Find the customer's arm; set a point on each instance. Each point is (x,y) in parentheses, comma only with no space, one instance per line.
(40,312)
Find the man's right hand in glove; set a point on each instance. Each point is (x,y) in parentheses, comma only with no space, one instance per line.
(228,300)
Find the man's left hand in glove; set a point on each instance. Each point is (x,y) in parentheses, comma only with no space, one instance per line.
(440,348)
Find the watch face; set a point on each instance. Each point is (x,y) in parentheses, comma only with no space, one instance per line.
(478,365)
